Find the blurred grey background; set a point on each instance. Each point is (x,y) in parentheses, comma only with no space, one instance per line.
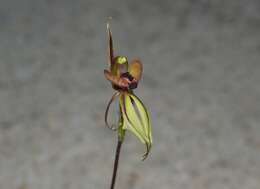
(200,83)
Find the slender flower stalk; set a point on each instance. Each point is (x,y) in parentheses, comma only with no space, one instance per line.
(121,135)
(133,115)
(118,149)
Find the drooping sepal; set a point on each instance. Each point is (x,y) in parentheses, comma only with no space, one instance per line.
(136,119)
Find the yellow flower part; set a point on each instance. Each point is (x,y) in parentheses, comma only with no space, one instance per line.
(136,119)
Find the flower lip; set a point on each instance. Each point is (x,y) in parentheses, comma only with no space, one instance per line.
(127,75)
(132,81)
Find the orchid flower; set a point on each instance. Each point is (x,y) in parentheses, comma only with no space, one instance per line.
(133,115)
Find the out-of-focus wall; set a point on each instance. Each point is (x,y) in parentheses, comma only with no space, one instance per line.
(201,84)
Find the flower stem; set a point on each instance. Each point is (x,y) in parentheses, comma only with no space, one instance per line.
(121,136)
(118,148)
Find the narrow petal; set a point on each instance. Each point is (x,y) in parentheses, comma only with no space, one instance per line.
(107,111)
